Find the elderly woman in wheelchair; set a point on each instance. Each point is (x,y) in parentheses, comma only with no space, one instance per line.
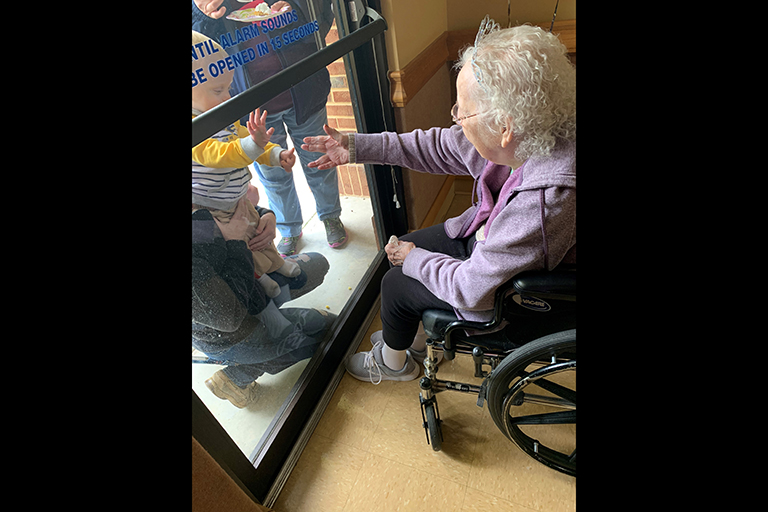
(499,271)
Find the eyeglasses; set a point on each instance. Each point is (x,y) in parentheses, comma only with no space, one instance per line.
(455,111)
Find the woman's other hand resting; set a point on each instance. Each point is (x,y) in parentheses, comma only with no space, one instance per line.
(397,250)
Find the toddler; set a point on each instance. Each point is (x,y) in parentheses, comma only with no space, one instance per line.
(220,174)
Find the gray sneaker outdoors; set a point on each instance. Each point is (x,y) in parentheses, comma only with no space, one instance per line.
(288,244)
(335,232)
(370,367)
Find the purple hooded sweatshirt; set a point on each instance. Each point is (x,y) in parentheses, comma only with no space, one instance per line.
(529,215)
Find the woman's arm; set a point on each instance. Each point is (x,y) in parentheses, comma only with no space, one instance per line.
(437,150)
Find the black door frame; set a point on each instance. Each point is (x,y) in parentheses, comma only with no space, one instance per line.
(367,62)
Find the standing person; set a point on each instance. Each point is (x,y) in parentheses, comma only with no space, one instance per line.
(301,109)
(515,134)
(303,113)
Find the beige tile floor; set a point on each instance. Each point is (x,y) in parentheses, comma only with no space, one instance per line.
(369,453)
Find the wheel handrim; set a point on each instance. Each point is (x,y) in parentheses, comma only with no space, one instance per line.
(564,399)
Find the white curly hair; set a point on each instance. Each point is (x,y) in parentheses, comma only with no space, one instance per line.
(528,82)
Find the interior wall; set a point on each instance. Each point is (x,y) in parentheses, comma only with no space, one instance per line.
(459,17)
(412,28)
(430,107)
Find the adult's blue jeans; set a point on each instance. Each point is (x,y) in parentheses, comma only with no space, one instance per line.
(282,339)
(279,185)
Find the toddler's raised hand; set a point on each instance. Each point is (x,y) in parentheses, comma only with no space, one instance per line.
(287,159)
(257,127)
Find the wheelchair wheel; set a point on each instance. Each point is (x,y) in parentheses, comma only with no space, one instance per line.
(532,399)
(434,429)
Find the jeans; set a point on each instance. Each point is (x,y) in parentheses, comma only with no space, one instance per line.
(264,351)
(278,184)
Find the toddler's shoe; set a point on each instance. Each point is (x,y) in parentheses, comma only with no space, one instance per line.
(289,269)
(271,288)
(370,367)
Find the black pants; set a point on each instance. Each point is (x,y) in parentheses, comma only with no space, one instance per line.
(403,298)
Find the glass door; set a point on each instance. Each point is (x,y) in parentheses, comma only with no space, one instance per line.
(308,63)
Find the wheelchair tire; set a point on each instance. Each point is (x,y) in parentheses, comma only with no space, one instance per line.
(506,384)
(433,427)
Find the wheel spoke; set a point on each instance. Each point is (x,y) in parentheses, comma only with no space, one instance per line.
(557,389)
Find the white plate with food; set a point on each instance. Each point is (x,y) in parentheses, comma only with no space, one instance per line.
(258,13)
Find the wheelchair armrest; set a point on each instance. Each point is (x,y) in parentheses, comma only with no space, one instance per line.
(436,321)
(554,284)
(439,324)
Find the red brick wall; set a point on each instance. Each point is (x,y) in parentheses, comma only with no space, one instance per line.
(341,116)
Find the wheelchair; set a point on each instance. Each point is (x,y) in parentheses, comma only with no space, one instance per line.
(529,348)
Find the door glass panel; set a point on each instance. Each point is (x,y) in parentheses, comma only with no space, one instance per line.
(277,348)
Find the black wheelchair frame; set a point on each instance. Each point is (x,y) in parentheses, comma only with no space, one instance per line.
(534,324)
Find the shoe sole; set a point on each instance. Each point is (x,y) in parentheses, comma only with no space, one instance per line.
(338,244)
(384,377)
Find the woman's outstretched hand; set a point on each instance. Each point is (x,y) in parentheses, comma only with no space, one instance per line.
(335,145)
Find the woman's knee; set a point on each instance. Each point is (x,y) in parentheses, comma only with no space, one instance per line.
(392,280)
(396,293)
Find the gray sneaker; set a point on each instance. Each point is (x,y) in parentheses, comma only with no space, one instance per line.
(370,367)
(417,356)
(335,232)
(288,244)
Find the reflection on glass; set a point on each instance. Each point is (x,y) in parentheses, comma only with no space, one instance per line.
(259,318)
